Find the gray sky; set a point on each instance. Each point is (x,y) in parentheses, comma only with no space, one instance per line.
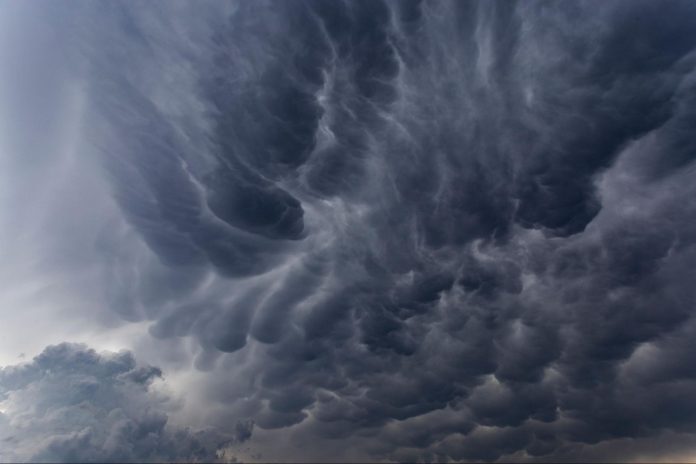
(347,231)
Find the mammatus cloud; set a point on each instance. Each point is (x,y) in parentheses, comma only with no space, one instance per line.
(71,404)
(420,230)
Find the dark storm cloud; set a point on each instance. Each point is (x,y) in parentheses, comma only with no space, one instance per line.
(71,404)
(431,229)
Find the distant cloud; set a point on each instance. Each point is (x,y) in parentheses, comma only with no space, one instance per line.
(71,404)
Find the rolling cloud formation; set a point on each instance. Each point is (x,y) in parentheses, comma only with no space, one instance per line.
(429,230)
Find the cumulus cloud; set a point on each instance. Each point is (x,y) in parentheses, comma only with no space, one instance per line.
(72,404)
(425,230)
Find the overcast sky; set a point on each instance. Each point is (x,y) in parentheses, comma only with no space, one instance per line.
(359,230)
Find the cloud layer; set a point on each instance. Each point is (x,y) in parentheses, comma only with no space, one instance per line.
(429,230)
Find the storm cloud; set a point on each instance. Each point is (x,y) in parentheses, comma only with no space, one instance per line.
(390,230)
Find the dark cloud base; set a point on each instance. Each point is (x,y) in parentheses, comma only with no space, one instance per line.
(429,230)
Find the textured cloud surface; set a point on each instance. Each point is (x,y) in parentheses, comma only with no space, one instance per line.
(392,230)
(71,404)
